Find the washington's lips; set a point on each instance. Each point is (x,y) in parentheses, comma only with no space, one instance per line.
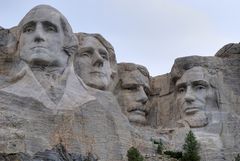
(98,73)
(38,47)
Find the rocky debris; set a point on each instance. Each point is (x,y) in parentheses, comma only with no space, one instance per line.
(57,153)
(229,50)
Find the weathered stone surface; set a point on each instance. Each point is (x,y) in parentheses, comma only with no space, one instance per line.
(46,103)
(161,96)
(218,102)
(63,97)
(229,50)
(57,153)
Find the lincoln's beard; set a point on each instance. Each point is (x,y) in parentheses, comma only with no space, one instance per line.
(199,119)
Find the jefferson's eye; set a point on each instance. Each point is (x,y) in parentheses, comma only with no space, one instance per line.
(87,54)
(104,55)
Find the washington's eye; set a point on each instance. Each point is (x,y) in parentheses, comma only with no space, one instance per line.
(49,27)
(28,29)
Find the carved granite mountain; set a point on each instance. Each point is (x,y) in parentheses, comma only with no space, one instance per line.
(64,97)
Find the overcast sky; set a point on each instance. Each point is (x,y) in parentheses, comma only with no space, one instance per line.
(148,32)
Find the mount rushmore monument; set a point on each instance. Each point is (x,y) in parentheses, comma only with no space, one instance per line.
(64,97)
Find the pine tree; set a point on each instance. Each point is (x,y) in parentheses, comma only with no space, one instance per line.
(160,147)
(191,148)
(237,158)
(134,155)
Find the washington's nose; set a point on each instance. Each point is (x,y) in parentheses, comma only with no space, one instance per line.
(39,35)
(97,60)
(189,96)
(142,97)
(38,39)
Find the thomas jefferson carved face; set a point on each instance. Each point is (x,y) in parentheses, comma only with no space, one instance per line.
(133,95)
(92,63)
(194,96)
(42,38)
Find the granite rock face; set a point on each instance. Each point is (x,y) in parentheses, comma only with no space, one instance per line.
(57,153)
(64,97)
(44,102)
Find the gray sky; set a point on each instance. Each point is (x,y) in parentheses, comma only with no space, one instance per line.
(148,32)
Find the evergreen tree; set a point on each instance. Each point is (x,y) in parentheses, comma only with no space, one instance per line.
(134,155)
(160,147)
(191,148)
(237,158)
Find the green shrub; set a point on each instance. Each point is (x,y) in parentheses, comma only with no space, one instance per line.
(172,154)
(191,148)
(134,155)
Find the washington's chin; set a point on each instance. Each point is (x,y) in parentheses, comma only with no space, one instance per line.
(37,58)
(40,61)
(137,118)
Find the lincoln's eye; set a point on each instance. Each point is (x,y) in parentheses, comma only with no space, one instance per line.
(199,87)
(132,88)
(181,90)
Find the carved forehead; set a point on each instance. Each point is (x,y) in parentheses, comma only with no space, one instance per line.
(134,77)
(194,74)
(91,41)
(42,13)
(133,74)
(112,57)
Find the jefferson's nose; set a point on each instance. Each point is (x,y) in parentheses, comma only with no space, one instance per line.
(97,60)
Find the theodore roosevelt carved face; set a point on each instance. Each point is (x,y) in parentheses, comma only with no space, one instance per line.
(133,91)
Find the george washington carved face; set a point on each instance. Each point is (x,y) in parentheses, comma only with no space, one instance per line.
(42,37)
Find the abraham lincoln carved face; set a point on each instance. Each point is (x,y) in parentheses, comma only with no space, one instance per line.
(194,95)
